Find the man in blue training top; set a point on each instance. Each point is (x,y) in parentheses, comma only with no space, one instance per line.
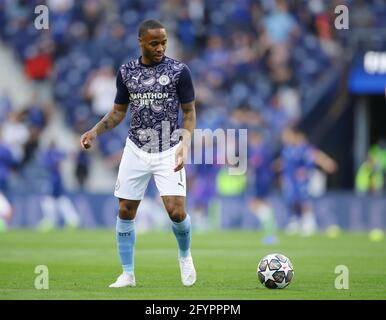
(260,160)
(56,201)
(298,157)
(154,86)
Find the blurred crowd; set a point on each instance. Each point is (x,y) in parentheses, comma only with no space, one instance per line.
(255,65)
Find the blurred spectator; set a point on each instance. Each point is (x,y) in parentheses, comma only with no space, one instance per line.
(371,174)
(279,24)
(38,67)
(278,65)
(92,15)
(101,90)
(60,21)
(369,178)
(378,153)
(15,134)
(361,14)
(36,119)
(38,63)
(216,53)
(185,30)
(113,45)
(324,22)
(243,53)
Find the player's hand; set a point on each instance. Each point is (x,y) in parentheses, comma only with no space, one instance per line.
(181,157)
(87,139)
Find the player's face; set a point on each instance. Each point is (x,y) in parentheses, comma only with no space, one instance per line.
(301,138)
(153,45)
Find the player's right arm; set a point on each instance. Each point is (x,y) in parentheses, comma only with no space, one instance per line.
(109,121)
(324,161)
(113,118)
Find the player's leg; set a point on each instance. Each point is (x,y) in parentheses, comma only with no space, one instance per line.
(292,200)
(264,212)
(69,213)
(125,235)
(49,210)
(294,208)
(308,224)
(172,188)
(175,207)
(182,229)
(308,220)
(132,181)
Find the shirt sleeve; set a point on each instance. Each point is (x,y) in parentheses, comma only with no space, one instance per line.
(185,89)
(122,96)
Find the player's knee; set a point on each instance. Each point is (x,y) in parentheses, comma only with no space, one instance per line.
(177,213)
(126,211)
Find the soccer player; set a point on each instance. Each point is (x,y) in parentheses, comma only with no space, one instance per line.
(260,160)
(56,201)
(298,157)
(154,86)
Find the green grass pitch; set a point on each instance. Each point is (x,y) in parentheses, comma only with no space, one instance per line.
(83,263)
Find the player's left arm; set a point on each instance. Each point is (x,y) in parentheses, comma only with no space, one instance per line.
(185,92)
(188,125)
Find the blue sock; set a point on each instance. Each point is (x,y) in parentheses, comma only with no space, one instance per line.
(182,231)
(126,239)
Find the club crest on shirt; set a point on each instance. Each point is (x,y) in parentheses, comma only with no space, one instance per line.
(164,80)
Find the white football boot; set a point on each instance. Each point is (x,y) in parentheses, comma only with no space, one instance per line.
(126,279)
(188,272)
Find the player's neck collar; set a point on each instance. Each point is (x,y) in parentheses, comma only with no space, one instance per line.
(150,65)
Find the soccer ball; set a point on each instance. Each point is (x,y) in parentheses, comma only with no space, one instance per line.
(275,271)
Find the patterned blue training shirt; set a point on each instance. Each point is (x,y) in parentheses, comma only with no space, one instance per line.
(154,93)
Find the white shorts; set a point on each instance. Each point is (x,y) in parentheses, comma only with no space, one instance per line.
(137,167)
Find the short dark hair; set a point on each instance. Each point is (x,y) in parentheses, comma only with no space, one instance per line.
(149,24)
